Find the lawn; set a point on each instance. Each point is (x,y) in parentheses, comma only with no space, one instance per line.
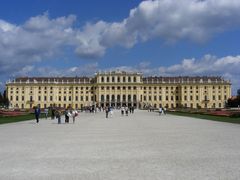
(208,117)
(5,119)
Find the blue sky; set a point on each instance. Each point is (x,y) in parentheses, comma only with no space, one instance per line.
(157,37)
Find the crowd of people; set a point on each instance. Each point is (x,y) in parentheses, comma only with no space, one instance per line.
(71,113)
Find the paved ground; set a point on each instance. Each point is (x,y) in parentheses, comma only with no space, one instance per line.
(140,146)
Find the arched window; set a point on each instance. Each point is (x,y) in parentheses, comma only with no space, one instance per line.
(113,98)
(129,98)
(129,79)
(113,79)
(118,79)
(102,79)
(118,97)
(107,97)
(124,97)
(134,97)
(134,79)
(107,79)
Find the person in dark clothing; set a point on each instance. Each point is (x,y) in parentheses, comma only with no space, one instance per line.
(52,113)
(67,116)
(58,116)
(107,111)
(37,112)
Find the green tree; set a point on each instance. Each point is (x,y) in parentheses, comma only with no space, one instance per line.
(1,99)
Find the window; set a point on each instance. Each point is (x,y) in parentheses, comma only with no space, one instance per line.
(191,98)
(113,79)
(144,98)
(31,98)
(213,97)
(129,98)
(76,98)
(124,79)
(134,97)
(118,97)
(81,98)
(124,97)
(134,79)
(59,98)
(102,79)
(22,98)
(39,98)
(176,98)
(102,88)
(150,98)
(160,98)
(45,98)
(107,79)
(171,98)
(219,97)
(51,98)
(185,98)
(65,98)
(86,98)
(134,87)
(166,98)
(197,98)
(102,98)
(16,98)
(118,79)
(205,98)
(129,79)
(155,98)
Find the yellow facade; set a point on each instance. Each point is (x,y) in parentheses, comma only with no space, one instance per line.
(117,89)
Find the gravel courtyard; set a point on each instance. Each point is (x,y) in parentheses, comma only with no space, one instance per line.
(140,146)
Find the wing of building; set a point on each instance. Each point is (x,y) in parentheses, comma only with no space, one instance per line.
(119,88)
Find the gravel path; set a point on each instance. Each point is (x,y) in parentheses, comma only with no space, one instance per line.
(142,146)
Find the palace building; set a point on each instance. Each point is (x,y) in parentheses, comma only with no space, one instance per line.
(119,88)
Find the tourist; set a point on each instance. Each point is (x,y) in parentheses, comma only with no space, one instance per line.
(74,115)
(37,112)
(107,111)
(122,110)
(52,113)
(165,111)
(160,111)
(111,112)
(46,112)
(67,115)
(58,116)
(132,109)
(126,111)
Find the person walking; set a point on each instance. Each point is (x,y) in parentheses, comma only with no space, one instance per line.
(160,111)
(165,111)
(46,112)
(126,111)
(74,115)
(107,111)
(67,114)
(122,110)
(52,113)
(58,116)
(37,113)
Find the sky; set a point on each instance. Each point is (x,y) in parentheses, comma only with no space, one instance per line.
(155,37)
